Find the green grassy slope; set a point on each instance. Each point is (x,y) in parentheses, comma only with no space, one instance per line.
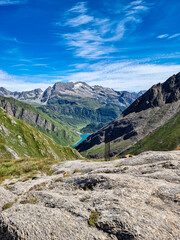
(164,138)
(65,134)
(19,139)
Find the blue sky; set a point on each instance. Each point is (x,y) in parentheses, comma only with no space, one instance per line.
(122,44)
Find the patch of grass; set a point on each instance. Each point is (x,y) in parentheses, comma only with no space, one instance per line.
(93,218)
(67,174)
(7,205)
(118,165)
(58,180)
(26,168)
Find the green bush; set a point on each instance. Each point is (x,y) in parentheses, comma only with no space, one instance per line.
(93,218)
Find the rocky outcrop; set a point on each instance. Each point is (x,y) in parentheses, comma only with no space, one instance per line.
(150,111)
(136,199)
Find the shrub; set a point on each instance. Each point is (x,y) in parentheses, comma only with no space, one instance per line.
(93,218)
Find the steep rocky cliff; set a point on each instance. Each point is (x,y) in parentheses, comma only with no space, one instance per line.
(150,111)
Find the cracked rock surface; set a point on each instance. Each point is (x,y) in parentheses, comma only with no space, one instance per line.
(135,198)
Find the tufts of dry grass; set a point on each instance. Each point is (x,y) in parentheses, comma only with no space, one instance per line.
(25,168)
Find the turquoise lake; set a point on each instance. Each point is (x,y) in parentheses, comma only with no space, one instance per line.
(83,137)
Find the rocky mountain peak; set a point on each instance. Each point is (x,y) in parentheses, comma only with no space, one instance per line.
(63,86)
(157,96)
(4,91)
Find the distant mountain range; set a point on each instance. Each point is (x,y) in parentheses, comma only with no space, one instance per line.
(78,89)
(77,104)
(158,106)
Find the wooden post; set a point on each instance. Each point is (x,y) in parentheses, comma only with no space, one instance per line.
(107,151)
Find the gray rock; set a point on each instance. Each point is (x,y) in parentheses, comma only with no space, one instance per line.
(136,198)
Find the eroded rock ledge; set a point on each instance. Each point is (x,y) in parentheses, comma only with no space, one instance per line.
(135,198)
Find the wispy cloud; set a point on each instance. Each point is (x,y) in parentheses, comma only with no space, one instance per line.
(93,37)
(163,36)
(80,20)
(175,35)
(11,2)
(80,7)
(125,75)
(168,36)
(24,83)
(9,39)
(121,75)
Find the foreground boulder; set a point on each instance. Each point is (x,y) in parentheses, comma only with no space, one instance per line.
(127,199)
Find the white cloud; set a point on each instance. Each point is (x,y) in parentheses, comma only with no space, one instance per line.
(16,83)
(122,75)
(175,35)
(80,7)
(92,37)
(11,2)
(163,36)
(169,36)
(125,75)
(80,20)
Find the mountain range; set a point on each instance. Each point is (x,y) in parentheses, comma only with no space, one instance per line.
(77,104)
(156,107)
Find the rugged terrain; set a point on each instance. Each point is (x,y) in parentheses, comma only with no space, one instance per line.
(150,111)
(19,139)
(77,104)
(135,198)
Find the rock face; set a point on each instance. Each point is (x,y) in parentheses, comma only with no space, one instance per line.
(150,111)
(135,199)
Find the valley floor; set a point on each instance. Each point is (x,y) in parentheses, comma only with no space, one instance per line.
(126,199)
